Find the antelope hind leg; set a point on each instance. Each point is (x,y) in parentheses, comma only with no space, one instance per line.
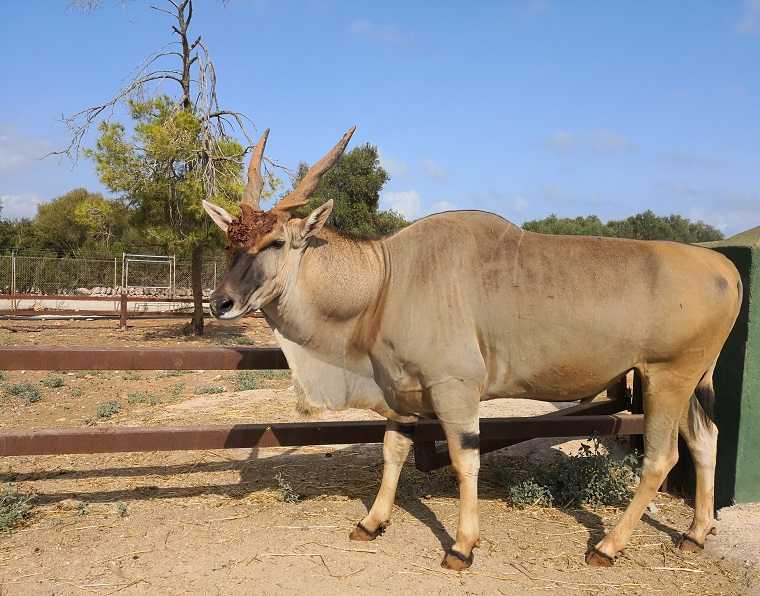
(666,396)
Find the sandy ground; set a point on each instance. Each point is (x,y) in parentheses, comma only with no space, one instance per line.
(217,522)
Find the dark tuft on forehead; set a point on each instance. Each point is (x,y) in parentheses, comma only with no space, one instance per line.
(250,226)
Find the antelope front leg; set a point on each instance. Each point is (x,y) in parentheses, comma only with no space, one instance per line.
(396,444)
(456,406)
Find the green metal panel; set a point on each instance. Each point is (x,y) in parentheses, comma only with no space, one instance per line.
(737,388)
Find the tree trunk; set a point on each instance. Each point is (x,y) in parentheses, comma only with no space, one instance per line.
(197,284)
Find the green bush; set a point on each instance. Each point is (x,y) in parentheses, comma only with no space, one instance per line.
(13,506)
(130,375)
(76,392)
(529,493)
(176,389)
(205,389)
(53,382)
(594,477)
(245,380)
(286,492)
(142,397)
(108,409)
(173,373)
(26,391)
(589,477)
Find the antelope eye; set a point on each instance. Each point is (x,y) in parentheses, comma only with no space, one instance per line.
(278,244)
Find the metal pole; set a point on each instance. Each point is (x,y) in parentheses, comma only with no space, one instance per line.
(14,303)
(173,275)
(123,312)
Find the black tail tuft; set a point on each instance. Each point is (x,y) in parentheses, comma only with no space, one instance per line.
(706,398)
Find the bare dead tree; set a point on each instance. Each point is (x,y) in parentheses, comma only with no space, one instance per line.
(186,63)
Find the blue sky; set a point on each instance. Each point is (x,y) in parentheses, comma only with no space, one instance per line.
(524,107)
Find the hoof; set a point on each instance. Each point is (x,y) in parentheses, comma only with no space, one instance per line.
(596,558)
(456,561)
(362,534)
(689,545)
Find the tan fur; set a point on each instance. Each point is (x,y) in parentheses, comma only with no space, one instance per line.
(464,306)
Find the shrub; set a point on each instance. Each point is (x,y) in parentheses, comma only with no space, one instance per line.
(595,477)
(130,375)
(176,389)
(3,376)
(76,392)
(286,492)
(205,389)
(24,390)
(589,477)
(245,380)
(13,506)
(173,373)
(529,493)
(52,382)
(81,374)
(108,409)
(142,397)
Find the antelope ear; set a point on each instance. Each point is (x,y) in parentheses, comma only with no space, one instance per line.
(316,219)
(219,215)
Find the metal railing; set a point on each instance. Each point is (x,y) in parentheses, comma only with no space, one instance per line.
(603,417)
(43,274)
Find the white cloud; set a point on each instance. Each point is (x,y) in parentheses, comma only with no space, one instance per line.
(441,206)
(17,151)
(690,159)
(750,21)
(519,205)
(18,206)
(731,211)
(406,202)
(432,169)
(601,141)
(377,32)
(395,167)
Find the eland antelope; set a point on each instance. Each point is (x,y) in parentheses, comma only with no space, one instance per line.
(464,306)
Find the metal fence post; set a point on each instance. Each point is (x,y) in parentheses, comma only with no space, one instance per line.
(123,312)
(14,302)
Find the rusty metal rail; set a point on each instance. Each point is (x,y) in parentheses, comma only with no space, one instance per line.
(136,439)
(600,417)
(80,358)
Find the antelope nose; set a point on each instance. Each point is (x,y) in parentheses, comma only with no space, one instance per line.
(221,305)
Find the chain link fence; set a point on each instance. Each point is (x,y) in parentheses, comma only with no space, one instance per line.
(50,275)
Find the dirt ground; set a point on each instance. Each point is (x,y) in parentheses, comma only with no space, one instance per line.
(220,522)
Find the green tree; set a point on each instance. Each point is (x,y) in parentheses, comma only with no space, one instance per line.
(16,234)
(79,221)
(354,185)
(642,226)
(590,225)
(648,226)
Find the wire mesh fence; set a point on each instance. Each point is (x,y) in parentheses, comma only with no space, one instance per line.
(43,274)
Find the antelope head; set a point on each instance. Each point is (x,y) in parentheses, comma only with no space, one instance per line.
(265,247)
